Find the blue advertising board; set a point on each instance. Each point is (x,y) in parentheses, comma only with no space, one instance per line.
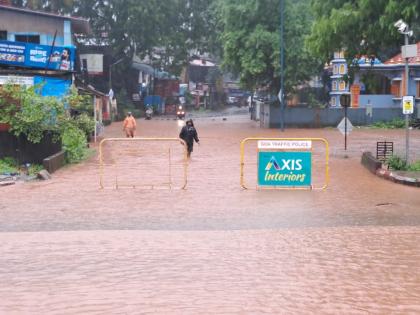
(284,169)
(37,56)
(52,86)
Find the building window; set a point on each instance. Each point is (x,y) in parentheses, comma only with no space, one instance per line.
(334,86)
(342,69)
(3,35)
(33,39)
(84,65)
(418,89)
(396,88)
(342,86)
(335,69)
(333,102)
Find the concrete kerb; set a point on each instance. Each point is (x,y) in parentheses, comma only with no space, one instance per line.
(370,162)
(54,162)
(375,167)
(399,179)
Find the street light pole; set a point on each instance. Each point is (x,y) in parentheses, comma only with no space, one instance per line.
(404,29)
(111,93)
(282,105)
(110,71)
(407,129)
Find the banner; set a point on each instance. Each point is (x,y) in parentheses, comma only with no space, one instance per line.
(285,169)
(37,56)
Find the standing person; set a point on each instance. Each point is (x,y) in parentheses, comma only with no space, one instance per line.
(129,125)
(189,134)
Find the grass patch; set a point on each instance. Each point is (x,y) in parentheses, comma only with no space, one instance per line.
(415,167)
(397,163)
(34,169)
(396,123)
(8,166)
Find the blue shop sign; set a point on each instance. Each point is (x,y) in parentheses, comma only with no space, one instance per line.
(37,56)
(285,169)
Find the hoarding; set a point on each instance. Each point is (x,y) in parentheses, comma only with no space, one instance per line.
(37,56)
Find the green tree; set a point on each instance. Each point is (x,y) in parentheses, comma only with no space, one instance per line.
(360,26)
(251,42)
(46,5)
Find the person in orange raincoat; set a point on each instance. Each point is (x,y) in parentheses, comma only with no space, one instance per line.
(129,125)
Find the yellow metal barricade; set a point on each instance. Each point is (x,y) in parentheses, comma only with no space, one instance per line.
(143,160)
(319,140)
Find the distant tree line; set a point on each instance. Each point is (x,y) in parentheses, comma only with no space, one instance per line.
(244,34)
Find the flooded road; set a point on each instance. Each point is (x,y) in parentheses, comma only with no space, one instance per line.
(70,248)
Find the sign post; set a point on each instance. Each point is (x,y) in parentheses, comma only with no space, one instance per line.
(408,51)
(408,109)
(345,101)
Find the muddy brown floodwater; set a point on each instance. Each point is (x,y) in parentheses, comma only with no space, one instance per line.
(68,247)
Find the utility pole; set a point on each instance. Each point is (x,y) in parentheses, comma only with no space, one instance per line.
(282,105)
(407,129)
(110,71)
(404,29)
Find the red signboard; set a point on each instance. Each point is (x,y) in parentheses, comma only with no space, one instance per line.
(355,95)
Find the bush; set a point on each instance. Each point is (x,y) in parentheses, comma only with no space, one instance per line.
(397,163)
(33,115)
(80,103)
(415,167)
(75,144)
(8,165)
(85,123)
(29,113)
(34,169)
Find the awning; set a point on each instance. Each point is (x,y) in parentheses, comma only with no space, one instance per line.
(148,69)
(89,89)
(143,67)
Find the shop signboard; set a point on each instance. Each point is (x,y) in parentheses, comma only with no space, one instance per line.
(37,56)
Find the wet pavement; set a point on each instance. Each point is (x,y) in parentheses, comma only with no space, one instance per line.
(70,248)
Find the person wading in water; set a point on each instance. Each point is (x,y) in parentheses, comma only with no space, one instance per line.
(189,134)
(129,125)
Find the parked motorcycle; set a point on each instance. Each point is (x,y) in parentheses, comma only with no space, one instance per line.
(149,113)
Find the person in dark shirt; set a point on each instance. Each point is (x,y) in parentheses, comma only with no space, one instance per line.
(189,134)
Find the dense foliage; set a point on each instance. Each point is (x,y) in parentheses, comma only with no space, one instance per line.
(244,33)
(397,163)
(166,31)
(361,27)
(251,41)
(33,116)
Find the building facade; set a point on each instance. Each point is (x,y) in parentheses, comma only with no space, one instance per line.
(376,84)
(38,48)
